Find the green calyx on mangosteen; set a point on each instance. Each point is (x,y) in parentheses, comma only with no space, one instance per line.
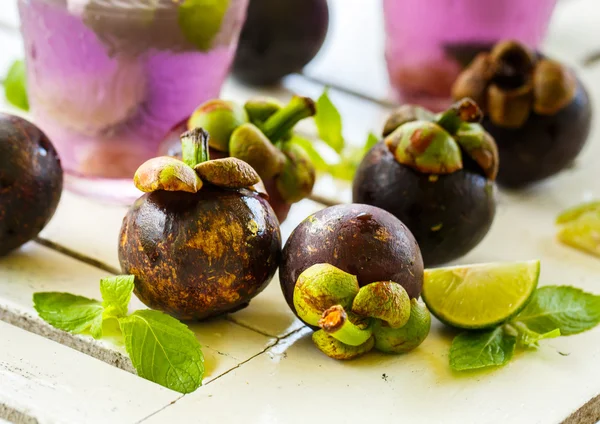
(31,181)
(352,319)
(536,109)
(435,173)
(201,242)
(260,133)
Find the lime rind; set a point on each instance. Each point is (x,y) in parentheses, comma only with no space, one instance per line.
(480,296)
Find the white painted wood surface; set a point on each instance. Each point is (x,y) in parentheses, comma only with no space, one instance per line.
(257,356)
(48,382)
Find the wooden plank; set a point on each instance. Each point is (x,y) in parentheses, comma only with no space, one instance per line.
(295,383)
(43,381)
(35,268)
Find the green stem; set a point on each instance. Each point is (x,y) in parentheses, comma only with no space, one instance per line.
(194,147)
(335,322)
(285,119)
(465,110)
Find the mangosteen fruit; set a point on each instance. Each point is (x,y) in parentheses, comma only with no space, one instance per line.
(31,181)
(435,173)
(349,272)
(279,38)
(201,242)
(536,109)
(364,241)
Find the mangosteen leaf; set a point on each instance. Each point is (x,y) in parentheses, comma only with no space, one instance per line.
(116,294)
(200,21)
(163,350)
(569,309)
(15,85)
(68,312)
(329,122)
(474,350)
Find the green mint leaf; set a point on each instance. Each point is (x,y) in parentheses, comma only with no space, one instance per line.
(372,140)
(116,294)
(75,314)
(349,161)
(569,309)
(200,21)
(313,154)
(474,350)
(528,338)
(15,85)
(163,350)
(329,123)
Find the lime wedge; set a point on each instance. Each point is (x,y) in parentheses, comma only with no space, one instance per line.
(479,296)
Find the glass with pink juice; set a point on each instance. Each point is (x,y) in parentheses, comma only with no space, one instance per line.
(107,79)
(429,41)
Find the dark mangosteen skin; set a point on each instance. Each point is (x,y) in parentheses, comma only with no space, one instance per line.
(359,239)
(545,145)
(31,181)
(199,255)
(448,214)
(279,38)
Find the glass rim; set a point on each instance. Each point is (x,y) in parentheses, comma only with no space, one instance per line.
(165,9)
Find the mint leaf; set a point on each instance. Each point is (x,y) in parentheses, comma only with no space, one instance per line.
(475,350)
(529,338)
(349,161)
(329,122)
(313,154)
(568,309)
(116,294)
(15,85)
(200,21)
(75,314)
(372,140)
(163,350)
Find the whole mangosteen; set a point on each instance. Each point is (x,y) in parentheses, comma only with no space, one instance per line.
(202,242)
(435,173)
(31,181)
(364,241)
(279,38)
(536,109)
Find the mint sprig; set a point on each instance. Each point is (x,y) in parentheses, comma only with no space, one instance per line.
(65,311)
(329,123)
(473,350)
(553,311)
(15,85)
(161,348)
(569,309)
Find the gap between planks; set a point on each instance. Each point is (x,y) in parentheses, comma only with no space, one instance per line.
(276,342)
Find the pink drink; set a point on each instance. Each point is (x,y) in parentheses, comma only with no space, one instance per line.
(428,41)
(109,78)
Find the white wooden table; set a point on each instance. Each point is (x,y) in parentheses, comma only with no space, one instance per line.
(261,364)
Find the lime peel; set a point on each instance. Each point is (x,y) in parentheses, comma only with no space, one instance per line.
(480,296)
